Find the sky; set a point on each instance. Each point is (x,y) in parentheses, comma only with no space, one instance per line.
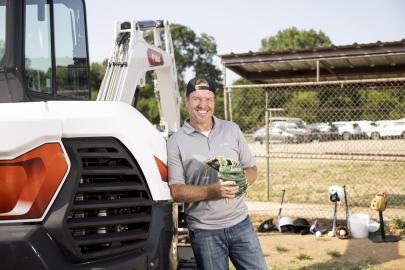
(238,26)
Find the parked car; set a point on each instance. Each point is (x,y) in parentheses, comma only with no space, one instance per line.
(365,126)
(277,135)
(296,120)
(285,129)
(299,129)
(349,130)
(324,131)
(387,129)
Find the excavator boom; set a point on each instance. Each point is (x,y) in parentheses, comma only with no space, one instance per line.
(132,57)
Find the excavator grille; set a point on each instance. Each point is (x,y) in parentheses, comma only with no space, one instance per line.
(110,211)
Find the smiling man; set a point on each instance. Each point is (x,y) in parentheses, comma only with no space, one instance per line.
(216,217)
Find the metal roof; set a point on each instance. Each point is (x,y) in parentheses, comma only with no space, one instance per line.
(347,62)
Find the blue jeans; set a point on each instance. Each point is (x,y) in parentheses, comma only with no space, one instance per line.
(239,242)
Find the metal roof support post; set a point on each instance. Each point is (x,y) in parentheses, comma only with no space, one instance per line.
(269,138)
(226,103)
(230,103)
(317,70)
(267,119)
(225,96)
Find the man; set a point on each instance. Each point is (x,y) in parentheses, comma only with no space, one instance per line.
(217,219)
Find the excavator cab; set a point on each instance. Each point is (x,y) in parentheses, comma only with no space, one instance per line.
(108,206)
(43,50)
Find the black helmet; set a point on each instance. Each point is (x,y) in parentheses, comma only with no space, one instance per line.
(301,225)
(285,224)
(266,226)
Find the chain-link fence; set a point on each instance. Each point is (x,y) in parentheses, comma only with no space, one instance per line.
(309,136)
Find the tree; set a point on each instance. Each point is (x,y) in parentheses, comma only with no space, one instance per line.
(146,100)
(292,38)
(206,49)
(184,42)
(381,104)
(304,104)
(297,103)
(193,52)
(2,48)
(250,104)
(97,71)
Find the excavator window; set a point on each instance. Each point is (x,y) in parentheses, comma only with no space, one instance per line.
(2,27)
(70,49)
(56,58)
(38,56)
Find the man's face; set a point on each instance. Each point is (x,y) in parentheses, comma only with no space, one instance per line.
(200,105)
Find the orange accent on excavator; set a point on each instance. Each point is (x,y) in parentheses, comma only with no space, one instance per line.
(162,169)
(155,58)
(28,182)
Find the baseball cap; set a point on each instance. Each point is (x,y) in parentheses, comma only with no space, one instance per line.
(194,84)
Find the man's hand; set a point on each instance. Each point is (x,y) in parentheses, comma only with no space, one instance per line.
(226,189)
(196,193)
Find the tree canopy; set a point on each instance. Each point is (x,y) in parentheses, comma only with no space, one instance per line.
(195,53)
(2,48)
(97,71)
(292,38)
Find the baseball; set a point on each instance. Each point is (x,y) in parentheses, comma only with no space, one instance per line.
(318,234)
(342,232)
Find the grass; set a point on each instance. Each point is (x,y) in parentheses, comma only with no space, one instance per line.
(304,262)
(333,253)
(281,249)
(330,265)
(398,226)
(303,256)
(307,181)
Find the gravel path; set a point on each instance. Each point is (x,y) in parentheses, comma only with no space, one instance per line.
(369,149)
(319,211)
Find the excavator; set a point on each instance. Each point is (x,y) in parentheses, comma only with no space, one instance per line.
(83,184)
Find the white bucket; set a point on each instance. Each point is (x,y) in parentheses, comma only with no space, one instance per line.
(359,225)
(373,226)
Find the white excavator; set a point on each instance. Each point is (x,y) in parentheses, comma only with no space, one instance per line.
(83,184)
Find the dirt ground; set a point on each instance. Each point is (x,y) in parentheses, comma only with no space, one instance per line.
(291,251)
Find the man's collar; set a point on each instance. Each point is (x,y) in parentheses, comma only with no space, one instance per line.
(188,129)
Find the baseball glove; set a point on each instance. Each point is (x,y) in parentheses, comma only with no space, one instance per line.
(229,170)
(379,203)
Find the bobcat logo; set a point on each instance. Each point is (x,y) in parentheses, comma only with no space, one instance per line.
(155,58)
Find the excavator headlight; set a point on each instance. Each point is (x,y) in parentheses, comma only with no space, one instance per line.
(29,182)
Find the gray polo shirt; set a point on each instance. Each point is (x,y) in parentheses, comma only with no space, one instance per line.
(188,152)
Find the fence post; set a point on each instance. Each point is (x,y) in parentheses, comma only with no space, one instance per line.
(225,96)
(267,146)
(269,139)
(225,103)
(230,103)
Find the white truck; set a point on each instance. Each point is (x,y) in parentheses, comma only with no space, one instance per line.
(387,129)
(83,184)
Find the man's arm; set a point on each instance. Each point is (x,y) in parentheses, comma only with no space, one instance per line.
(196,193)
(251,174)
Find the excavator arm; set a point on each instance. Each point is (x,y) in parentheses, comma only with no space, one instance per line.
(132,56)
